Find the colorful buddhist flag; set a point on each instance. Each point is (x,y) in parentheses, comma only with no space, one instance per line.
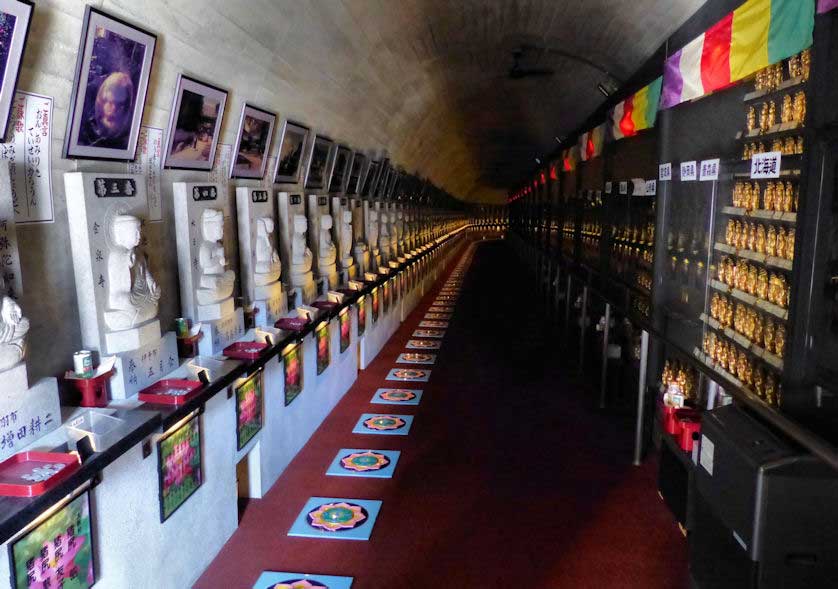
(590,143)
(637,112)
(570,157)
(827,5)
(754,36)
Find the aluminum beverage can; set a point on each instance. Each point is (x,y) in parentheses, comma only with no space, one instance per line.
(83,364)
(181,327)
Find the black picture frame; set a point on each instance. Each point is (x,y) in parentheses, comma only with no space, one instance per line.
(265,116)
(205,90)
(319,161)
(290,129)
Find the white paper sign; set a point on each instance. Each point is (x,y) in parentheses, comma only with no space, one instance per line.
(766,165)
(149,163)
(709,170)
(27,148)
(707,455)
(624,187)
(221,168)
(689,171)
(665,172)
(651,187)
(609,187)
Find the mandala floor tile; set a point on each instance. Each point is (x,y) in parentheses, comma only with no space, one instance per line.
(277,580)
(383,424)
(435,333)
(342,519)
(438,316)
(409,375)
(423,344)
(371,464)
(434,324)
(416,358)
(397,397)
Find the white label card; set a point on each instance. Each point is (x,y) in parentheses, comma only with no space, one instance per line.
(651,187)
(665,172)
(624,187)
(689,171)
(705,458)
(709,170)
(149,163)
(609,187)
(27,148)
(766,165)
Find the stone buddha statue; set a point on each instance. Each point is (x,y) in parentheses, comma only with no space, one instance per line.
(372,232)
(327,252)
(394,235)
(267,266)
(301,256)
(400,234)
(133,294)
(346,239)
(13,329)
(384,236)
(216,282)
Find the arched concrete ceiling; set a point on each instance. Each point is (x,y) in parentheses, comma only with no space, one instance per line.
(427,79)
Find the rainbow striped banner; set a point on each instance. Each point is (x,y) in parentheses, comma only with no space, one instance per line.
(827,5)
(590,143)
(636,113)
(752,37)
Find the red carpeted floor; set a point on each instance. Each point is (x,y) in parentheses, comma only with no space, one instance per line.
(508,478)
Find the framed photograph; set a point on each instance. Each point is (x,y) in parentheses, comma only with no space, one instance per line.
(292,142)
(345,330)
(292,367)
(249,408)
(15,16)
(362,316)
(358,163)
(57,552)
(324,353)
(256,127)
(318,161)
(194,124)
(343,159)
(369,179)
(113,67)
(179,468)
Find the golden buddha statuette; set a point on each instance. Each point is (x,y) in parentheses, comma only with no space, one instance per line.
(777,145)
(752,236)
(772,114)
(763,117)
(789,146)
(756,337)
(794,66)
(768,196)
(788,198)
(728,313)
(746,151)
(770,388)
(730,233)
(741,363)
(780,341)
(805,63)
(751,120)
(751,284)
(768,330)
(771,241)
(759,242)
(759,381)
(714,306)
(736,197)
(786,112)
(790,245)
(781,242)
(763,284)
(799,107)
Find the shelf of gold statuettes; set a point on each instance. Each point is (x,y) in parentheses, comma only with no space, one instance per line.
(760,214)
(744,343)
(785,85)
(712,365)
(775,129)
(791,173)
(750,299)
(764,259)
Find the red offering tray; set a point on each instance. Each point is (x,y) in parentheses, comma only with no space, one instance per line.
(28,474)
(292,323)
(245,350)
(325,305)
(689,425)
(170,391)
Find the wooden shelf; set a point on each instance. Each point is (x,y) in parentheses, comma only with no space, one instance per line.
(751,300)
(790,218)
(771,359)
(757,95)
(768,261)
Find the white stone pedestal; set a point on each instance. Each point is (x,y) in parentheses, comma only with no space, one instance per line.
(221,333)
(136,369)
(26,414)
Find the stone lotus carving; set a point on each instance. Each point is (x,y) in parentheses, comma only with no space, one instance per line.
(133,294)
(216,282)
(301,256)
(13,329)
(346,239)
(327,251)
(267,266)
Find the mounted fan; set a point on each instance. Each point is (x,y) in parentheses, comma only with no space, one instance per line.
(519,72)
